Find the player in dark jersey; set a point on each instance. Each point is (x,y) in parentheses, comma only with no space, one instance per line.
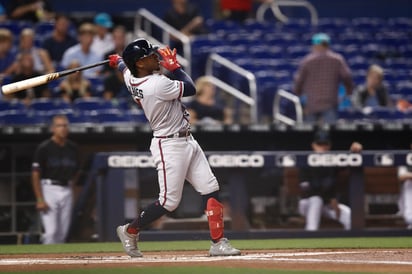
(54,170)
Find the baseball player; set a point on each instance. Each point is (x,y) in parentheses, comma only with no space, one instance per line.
(176,153)
(405,195)
(317,184)
(54,169)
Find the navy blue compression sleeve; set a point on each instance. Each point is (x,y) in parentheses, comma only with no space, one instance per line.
(189,86)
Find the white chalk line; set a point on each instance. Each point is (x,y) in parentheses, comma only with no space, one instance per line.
(297,257)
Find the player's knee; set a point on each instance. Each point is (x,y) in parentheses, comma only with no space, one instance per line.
(171,204)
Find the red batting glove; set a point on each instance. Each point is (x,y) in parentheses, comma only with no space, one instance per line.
(169,60)
(113,60)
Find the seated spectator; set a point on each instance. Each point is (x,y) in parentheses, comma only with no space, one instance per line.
(30,10)
(204,109)
(83,51)
(59,40)
(103,39)
(405,197)
(8,53)
(25,69)
(318,189)
(74,85)
(41,58)
(373,93)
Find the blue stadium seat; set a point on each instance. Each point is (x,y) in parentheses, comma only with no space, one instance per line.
(113,116)
(20,117)
(91,104)
(350,114)
(80,118)
(137,115)
(47,104)
(11,105)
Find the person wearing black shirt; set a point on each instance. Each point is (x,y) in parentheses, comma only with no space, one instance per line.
(54,172)
(318,189)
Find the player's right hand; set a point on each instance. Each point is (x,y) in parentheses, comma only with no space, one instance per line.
(169,60)
(42,206)
(114,60)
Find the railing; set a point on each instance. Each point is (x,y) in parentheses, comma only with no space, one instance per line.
(275,5)
(278,116)
(249,100)
(143,28)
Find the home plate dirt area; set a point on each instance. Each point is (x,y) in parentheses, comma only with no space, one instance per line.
(345,260)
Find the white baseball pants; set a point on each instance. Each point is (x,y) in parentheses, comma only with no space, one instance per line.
(405,201)
(56,221)
(313,208)
(177,159)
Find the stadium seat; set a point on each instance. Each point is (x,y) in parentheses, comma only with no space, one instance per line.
(20,117)
(91,104)
(14,104)
(47,104)
(136,115)
(112,116)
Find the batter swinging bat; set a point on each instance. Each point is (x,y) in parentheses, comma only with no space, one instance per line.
(43,79)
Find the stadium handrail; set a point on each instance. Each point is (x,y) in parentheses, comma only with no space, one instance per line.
(250,100)
(275,5)
(144,29)
(278,116)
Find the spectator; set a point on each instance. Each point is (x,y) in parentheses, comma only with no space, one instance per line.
(59,40)
(204,108)
(114,86)
(30,10)
(24,70)
(318,77)
(185,17)
(74,85)
(8,53)
(41,58)
(103,40)
(318,193)
(238,10)
(373,93)
(405,198)
(83,51)
(55,169)
(119,39)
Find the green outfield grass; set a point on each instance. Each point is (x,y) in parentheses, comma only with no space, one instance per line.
(387,242)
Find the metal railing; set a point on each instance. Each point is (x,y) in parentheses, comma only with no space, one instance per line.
(143,28)
(278,116)
(249,100)
(275,5)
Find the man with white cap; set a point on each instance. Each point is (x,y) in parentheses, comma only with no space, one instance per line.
(103,40)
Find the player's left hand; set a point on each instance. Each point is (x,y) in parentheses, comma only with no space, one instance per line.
(169,60)
(113,60)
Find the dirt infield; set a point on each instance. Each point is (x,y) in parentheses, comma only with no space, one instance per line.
(344,260)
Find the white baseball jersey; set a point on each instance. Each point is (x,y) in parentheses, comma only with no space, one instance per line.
(159,97)
(177,158)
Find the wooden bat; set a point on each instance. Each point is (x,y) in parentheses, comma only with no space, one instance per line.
(43,79)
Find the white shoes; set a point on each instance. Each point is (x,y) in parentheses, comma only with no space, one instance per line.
(129,241)
(223,248)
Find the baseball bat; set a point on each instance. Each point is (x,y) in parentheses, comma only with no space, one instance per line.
(43,79)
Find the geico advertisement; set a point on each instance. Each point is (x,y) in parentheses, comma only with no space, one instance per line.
(339,159)
(215,160)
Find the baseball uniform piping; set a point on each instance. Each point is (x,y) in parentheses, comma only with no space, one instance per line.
(164,172)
